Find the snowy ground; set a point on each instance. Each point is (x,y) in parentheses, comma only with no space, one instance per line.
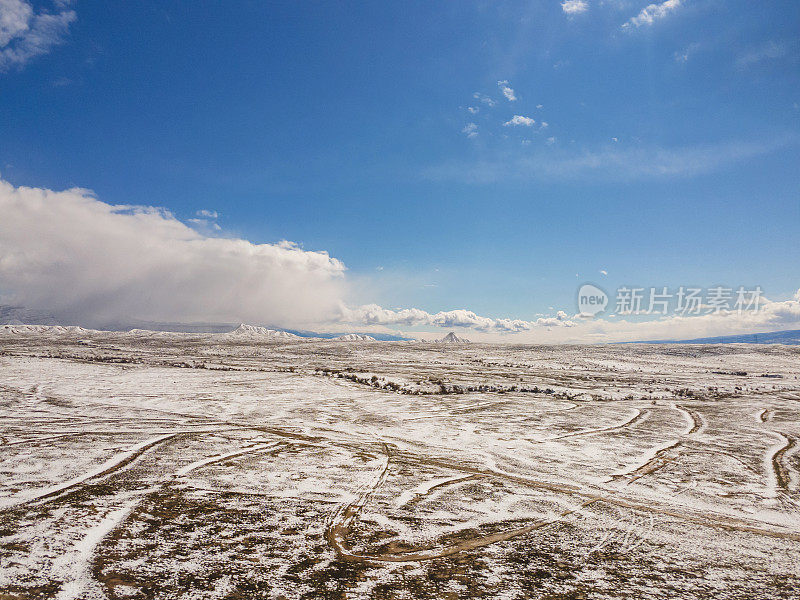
(178,466)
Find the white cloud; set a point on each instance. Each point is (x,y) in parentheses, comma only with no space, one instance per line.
(574,7)
(483,98)
(613,162)
(78,257)
(683,55)
(470,129)
(650,14)
(772,316)
(473,109)
(519,120)
(205,226)
(25,34)
(771,50)
(562,328)
(508,92)
(207,214)
(15,16)
(372,314)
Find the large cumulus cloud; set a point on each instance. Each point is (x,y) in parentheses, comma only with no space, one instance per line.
(74,255)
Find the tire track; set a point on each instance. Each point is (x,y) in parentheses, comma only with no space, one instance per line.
(750,468)
(223,457)
(418,496)
(696,423)
(78,568)
(718,521)
(660,458)
(422,553)
(109,432)
(341,520)
(641,415)
(780,467)
(76,564)
(669,453)
(111,466)
(43,439)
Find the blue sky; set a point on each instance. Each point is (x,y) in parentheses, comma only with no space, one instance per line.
(656,142)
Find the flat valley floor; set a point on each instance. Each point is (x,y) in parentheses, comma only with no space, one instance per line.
(145,465)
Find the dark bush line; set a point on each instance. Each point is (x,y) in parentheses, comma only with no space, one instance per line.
(443,388)
(737,373)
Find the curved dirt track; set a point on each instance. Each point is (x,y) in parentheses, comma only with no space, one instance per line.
(780,464)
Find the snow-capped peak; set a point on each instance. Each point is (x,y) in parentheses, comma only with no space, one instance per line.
(44,329)
(255,331)
(355,337)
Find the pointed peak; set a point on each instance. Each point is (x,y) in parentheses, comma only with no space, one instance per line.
(452,338)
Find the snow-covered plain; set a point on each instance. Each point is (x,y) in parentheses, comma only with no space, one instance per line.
(152,465)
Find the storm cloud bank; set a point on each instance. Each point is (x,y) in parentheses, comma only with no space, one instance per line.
(78,257)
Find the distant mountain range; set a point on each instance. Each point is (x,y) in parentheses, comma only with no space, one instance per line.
(381,337)
(19,315)
(791,337)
